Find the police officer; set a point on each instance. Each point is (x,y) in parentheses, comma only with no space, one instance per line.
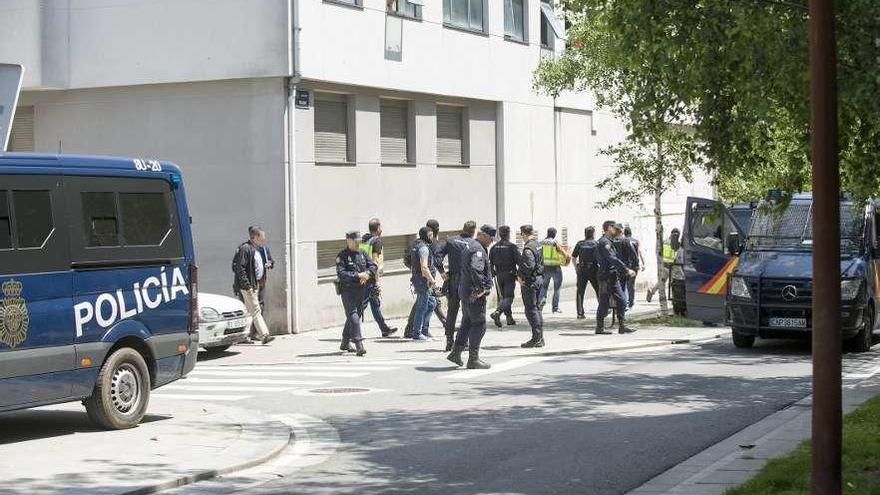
(474,287)
(504,257)
(668,254)
(531,279)
(584,254)
(611,269)
(453,249)
(354,271)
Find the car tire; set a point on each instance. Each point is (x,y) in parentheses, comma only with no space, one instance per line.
(741,340)
(217,349)
(122,391)
(863,341)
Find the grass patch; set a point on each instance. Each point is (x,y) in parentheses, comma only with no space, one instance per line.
(790,475)
(670,321)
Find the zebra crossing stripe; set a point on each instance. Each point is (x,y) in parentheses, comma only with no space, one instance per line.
(461,375)
(256,373)
(226,398)
(253,381)
(224,388)
(249,369)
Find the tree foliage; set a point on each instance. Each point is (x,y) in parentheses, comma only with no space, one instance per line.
(737,72)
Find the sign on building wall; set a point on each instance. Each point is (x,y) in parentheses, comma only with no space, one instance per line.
(10,85)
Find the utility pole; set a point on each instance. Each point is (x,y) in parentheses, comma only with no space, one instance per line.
(827,415)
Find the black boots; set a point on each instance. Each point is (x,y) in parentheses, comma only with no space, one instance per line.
(600,327)
(455,355)
(389,332)
(510,321)
(622,328)
(450,341)
(474,361)
(496,317)
(537,340)
(360,347)
(346,346)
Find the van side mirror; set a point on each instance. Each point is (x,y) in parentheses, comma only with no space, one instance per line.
(733,243)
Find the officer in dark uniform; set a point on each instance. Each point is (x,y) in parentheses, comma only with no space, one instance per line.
(354,271)
(585,254)
(611,269)
(474,287)
(531,279)
(453,249)
(504,257)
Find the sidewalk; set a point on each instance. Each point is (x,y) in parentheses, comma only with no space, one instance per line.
(54,450)
(563,333)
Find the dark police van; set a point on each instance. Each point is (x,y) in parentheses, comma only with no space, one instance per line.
(97,283)
(758,278)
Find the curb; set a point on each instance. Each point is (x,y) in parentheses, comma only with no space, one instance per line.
(213,473)
(645,345)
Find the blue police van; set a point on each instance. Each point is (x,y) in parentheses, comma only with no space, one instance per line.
(752,269)
(97,283)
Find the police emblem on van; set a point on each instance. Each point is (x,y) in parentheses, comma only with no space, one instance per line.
(14,316)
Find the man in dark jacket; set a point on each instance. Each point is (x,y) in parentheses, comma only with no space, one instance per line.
(354,271)
(453,249)
(611,271)
(246,282)
(504,256)
(584,254)
(474,286)
(635,261)
(531,280)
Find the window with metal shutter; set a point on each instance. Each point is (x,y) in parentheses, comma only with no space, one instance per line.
(393,139)
(449,135)
(331,129)
(22,136)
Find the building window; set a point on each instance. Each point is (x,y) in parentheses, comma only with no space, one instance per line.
(405,8)
(465,14)
(331,129)
(353,3)
(515,19)
(450,135)
(22,136)
(393,120)
(551,28)
(393,249)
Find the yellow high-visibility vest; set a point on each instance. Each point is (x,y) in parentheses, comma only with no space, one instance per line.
(367,248)
(668,254)
(551,255)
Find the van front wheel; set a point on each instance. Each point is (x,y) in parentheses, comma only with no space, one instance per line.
(122,391)
(741,340)
(863,341)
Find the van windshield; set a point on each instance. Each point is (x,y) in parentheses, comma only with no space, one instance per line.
(791,228)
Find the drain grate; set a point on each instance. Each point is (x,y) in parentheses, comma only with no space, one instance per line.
(339,390)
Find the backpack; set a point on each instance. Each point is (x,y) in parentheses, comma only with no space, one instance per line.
(407,255)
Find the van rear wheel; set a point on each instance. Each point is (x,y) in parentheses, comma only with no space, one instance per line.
(122,391)
(742,340)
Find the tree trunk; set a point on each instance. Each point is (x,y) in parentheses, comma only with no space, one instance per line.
(658,228)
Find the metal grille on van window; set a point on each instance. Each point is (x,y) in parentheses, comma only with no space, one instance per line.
(22,136)
(449,135)
(331,129)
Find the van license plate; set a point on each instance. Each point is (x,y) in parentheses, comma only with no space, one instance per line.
(236,323)
(788,322)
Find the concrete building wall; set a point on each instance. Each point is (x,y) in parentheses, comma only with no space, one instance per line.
(232,163)
(97,43)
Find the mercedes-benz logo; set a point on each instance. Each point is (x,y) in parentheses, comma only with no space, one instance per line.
(789,293)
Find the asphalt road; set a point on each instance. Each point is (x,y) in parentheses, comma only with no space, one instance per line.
(592,424)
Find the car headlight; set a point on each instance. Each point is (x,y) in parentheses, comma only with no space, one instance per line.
(849,289)
(739,288)
(209,314)
(677,272)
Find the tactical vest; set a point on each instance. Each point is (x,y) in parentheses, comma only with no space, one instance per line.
(418,280)
(587,254)
(366,246)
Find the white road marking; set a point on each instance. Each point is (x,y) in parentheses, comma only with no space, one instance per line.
(199,397)
(224,388)
(256,373)
(465,374)
(867,374)
(254,381)
(254,369)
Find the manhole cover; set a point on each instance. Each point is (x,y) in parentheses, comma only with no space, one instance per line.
(339,390)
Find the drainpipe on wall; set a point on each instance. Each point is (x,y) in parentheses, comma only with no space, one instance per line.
(556,118)
(290,210)
(500,213)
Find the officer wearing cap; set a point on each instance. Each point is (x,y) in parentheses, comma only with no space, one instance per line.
(354,270)
(474,286)
(611,270)
(531,279)
(454,248)
(504,257)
